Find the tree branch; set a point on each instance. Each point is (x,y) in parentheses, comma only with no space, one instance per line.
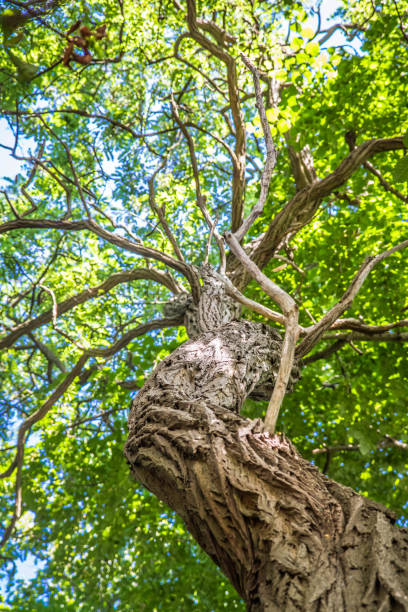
(302,207)
(37,416)
(325,353)
(360,326)
(201,200)
(88,294)
(161,213)
(291,314)
(120,241)
(387,442)
(238,177)
(271,154)
(314,333)
(279,296)
(362,337)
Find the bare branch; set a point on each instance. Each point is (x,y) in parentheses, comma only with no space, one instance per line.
(218,50)
(101,415)
(387,442)
(88,294)
(285,368)
(314,333)
(83,113)
(120,241)
(387,186)
(302,167)
(190,65)
(363,337)
(302,207)
(271,154)
(22,436)
(29,181)
(291,312)
(325,353)
(251,304)
(279,296)
(48,353)
(37,416)
(201,200)
(160,212)
(357,325)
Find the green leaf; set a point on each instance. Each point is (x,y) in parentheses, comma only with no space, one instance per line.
(400,171)
(25,70)
(307,32)
(313,48)
(296,44)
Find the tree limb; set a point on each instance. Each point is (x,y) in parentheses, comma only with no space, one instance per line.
(314,333)
(37,416)
(271,154)
(160,212)
(387,442)
(302,207)
(291,314)
(88,294)
(120,241)
(218,50)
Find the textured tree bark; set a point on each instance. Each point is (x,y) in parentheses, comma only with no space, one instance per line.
(287,537)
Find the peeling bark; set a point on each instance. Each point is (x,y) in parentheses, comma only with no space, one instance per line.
(287,537)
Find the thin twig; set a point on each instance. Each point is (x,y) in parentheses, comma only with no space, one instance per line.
(160,212)
(201,200)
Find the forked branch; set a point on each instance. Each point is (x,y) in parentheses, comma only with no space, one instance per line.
(302,207)
(37,416)
(315,332)
(291,316)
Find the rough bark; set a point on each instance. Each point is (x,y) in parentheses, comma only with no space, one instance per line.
(286,536)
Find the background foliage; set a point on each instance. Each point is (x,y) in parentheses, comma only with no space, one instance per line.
(101,130)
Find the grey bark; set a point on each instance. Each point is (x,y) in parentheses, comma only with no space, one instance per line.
(286,536)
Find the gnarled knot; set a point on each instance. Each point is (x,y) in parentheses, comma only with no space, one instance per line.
(214,309)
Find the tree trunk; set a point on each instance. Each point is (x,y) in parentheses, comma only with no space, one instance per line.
(287,537)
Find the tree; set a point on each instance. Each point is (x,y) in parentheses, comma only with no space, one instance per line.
(216,171)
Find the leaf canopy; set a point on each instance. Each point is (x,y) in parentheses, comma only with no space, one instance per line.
(99,145)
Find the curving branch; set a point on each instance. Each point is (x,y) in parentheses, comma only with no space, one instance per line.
(304,204)
(37,416)
(160,212)
(191,65)
(357,325)
(271,154)
(88,294)
(23,430)
(326,352)
(374,337)
(387,442)
(231,290)
(219,51)
(83,113)
(201,200)
(387,186)
(315,332)
(123,243)
(279,296)
(291,314)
